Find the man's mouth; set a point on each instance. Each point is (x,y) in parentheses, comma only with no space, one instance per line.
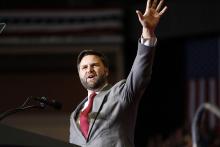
(91,77)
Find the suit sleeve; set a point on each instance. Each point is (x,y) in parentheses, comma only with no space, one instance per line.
(140,74)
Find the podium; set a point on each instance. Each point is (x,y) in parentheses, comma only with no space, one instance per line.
(13,137)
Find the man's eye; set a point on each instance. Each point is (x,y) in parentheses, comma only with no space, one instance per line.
(95,65)
(84,67)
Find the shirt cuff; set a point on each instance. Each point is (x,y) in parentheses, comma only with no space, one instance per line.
(149,42)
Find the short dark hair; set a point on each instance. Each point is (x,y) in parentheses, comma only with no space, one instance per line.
(92,52)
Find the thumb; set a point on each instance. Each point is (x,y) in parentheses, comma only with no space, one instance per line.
(139,14)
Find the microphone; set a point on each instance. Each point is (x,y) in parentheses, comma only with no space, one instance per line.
(205,106)
(53,103)
(43,102)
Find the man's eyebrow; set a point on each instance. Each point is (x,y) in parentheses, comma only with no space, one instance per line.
(94,63)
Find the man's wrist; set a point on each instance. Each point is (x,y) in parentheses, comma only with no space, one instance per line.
(148,33)
(149,41)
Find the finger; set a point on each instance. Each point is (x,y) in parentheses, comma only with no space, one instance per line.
(163,10)
(154,4)
(139,14)
(159,5)
(148,4)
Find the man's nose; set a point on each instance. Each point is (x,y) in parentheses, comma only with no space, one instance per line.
(90,68)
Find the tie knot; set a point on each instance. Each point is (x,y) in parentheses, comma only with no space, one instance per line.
(92,95)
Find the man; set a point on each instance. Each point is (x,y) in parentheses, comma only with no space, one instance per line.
(112,112)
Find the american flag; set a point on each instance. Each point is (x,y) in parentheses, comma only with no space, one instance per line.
(202,72)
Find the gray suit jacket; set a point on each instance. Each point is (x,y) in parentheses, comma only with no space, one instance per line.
(115,108)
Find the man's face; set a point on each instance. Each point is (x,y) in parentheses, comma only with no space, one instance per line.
(92,72)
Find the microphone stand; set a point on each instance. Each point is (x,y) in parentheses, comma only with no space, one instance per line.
(23,107)
(198,114)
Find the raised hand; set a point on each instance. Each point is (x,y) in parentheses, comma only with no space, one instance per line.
(151,17)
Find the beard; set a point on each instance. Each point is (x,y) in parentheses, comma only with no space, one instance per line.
(96,84)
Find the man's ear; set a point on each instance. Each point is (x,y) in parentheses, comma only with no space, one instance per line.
(106,72)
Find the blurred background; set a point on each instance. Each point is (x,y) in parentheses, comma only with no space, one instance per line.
(42,38)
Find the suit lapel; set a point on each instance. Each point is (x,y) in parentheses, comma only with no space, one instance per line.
(99,99)
(97,106)
(75,115)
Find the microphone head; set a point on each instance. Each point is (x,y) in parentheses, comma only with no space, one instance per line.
(53,103)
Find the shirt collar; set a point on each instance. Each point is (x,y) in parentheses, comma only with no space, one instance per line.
(97,92)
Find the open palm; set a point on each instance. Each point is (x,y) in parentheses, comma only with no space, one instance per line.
(152,14)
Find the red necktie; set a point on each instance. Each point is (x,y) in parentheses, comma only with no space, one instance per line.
(84,122)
